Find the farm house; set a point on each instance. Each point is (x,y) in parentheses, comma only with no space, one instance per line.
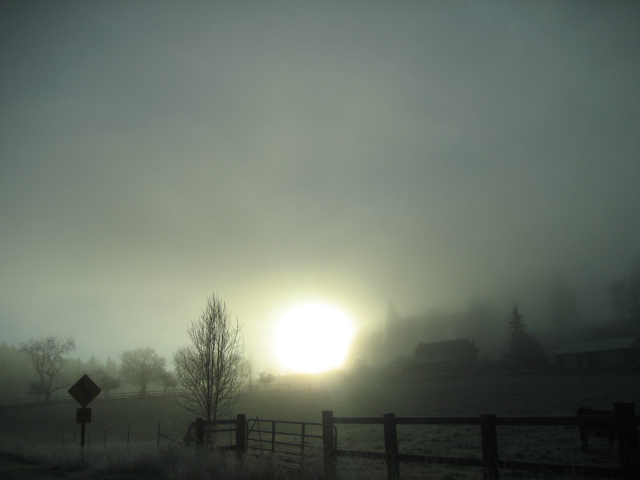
(599,354)
(449,355)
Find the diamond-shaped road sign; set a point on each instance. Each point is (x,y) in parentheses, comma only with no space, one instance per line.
(84,390)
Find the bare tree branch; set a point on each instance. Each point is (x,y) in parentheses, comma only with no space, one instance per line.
(46,356)
(210,368)
(141,366)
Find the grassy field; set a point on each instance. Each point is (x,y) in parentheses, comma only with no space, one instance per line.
(138,420)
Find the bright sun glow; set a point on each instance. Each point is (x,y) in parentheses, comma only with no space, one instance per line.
(313,338)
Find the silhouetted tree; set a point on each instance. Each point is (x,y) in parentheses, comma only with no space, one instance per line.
(93,365)
(169,381)
(106,381)
(47,357)
(211,369)
(247,368)
(37,388)
(141,366)
(265,378)
(524,349)
(111,368)
(517,328)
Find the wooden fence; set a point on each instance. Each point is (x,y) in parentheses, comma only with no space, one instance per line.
(294,442)
(624,422)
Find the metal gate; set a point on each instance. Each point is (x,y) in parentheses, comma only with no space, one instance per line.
(297,444)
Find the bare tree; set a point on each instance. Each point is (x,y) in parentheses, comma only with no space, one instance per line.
(210,370)
(141,366)
(37,388)
(46,355)
(265,378)
(106,381)
(169,381)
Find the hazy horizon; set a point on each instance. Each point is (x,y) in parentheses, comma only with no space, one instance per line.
(358,154)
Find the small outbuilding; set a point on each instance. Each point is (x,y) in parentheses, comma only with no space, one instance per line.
(599,354)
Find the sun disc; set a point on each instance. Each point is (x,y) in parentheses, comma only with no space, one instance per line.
(313,338)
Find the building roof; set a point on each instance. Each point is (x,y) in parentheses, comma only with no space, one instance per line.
(598,345)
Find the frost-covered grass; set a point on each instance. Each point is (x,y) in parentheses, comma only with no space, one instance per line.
(177,462)
(168,462)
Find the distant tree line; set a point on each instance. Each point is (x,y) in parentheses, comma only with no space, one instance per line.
(481,321)
(209,371)
(502,336)
(42,367)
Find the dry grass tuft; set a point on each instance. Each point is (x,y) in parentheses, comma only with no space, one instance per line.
(56,456)
(171,462)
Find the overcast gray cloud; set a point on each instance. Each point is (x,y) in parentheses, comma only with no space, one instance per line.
(359,153)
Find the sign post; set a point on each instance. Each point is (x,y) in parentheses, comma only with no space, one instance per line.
(84,391)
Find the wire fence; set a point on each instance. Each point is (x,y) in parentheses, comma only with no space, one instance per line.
(157,433)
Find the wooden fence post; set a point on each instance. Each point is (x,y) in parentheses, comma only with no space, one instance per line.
(273,437)
(302,440)
(627,439)
(199,432)
(329,453)
(391,445)
(489,446)
(241,433)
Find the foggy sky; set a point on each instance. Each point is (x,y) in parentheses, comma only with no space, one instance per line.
(357,153)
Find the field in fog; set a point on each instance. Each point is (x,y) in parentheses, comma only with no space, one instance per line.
(535,395)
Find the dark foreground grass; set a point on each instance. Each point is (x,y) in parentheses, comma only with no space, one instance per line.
(173,462)
(139,461)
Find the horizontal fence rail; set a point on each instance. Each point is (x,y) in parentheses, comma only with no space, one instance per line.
(295,439)
(623,422)
(302,442)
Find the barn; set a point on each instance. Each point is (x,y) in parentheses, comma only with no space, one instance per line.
(599,354)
